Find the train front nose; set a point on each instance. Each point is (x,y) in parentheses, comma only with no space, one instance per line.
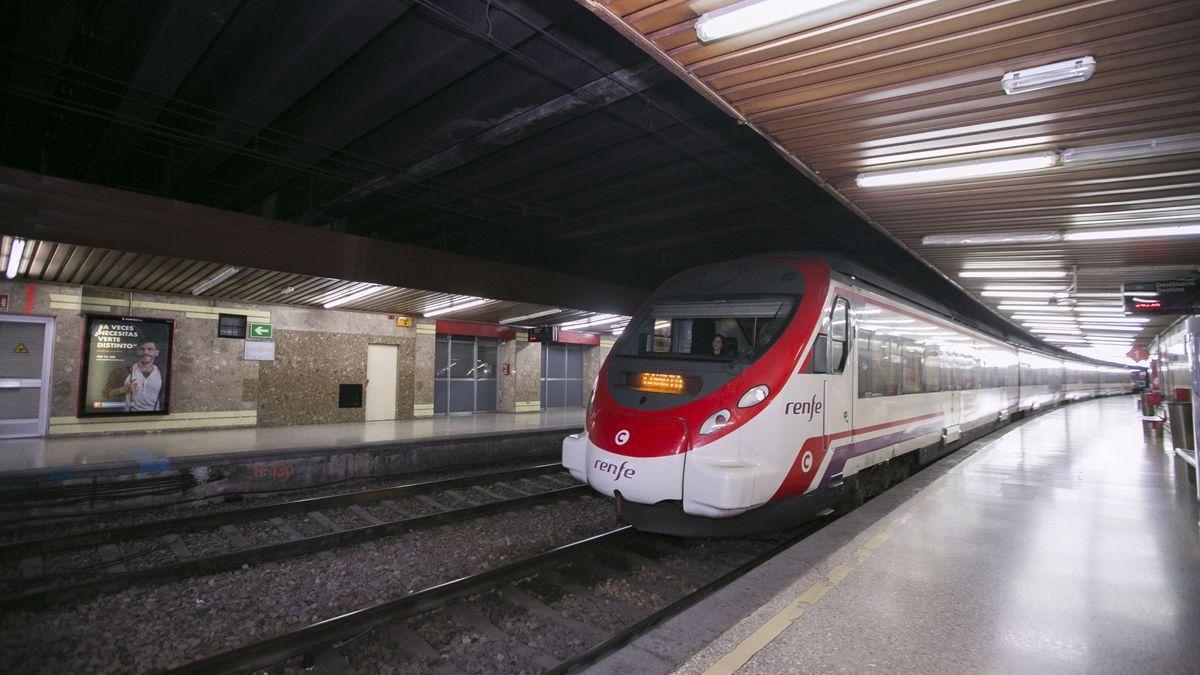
(642,457)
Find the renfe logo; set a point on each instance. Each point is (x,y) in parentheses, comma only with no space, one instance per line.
(618,471)
(622,437)
(809,408)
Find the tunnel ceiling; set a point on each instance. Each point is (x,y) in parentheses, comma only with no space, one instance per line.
(858,87)
(524,132)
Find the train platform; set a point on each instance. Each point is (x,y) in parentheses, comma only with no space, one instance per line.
(1065,543)
(202,463)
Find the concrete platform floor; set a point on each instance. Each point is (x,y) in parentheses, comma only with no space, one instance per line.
(1067,543)
(23,454)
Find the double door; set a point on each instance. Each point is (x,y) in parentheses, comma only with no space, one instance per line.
(464,374)
(562,376)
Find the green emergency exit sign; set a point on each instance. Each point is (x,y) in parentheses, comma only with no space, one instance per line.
(261,331)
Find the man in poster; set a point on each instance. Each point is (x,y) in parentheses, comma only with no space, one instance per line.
(140,383)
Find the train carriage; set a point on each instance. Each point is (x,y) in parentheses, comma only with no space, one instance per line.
(753,395)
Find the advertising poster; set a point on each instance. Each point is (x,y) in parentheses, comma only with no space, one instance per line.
(126,366)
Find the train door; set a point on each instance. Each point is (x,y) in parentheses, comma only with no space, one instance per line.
(838,420)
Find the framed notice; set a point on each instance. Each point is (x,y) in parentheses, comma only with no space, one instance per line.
(126,367)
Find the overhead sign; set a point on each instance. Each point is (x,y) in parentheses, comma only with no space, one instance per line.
(1176,296)
(261,331)
(543,334)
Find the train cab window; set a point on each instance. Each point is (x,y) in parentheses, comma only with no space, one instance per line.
(711,329)
(839,329)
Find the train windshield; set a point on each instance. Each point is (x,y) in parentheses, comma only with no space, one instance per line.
(710,329)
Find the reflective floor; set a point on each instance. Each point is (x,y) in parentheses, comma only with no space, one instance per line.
(67,451)
(1068,544)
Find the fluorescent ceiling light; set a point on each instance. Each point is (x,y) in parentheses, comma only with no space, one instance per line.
(535,315)
(357,295)
(1049,75)
(1009,264)
(1000,238)
(1030,307)
(1020,294)
(1025,287)
(215,279)
(15,253)
(1133,233)
(958,170)
(1098,309)
(1015,274)
(593,321)
(1103,327)
(1145,294)
(1151,147)
(1117,319)
(454,308)
(748,16)
(1063,339)
(1096,295)
(1043,317)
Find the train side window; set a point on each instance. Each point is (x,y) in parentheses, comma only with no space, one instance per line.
(839,330)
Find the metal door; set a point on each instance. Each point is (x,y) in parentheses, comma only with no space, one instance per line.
(26,343)
(464,374)
(562,376)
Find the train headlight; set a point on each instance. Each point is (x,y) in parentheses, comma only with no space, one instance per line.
(715,422)
(754,396)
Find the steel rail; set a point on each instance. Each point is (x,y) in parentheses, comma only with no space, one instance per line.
(100,537)
(41,597)
(313,638)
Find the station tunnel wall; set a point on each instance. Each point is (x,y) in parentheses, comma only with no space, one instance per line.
(213,386)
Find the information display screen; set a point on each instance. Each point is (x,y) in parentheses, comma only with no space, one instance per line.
(1177,296)
(126,366)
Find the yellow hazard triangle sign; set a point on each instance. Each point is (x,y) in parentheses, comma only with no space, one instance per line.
(21,348)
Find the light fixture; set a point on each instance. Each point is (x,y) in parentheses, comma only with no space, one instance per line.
(1014,274)
(1049,75)
(1133,232)
(1030,307)
(1151,147)
(15,253)
(287,291)
(357,295)
(999,238)
(1145,294)
(546,312)
(592,321)
(1099,309)
(215,279)
(751,15)
(1063,339)
(1009,264)
(1104,327)
(958,170)
(454,308)
(1043,317)
(1045,295)
(1025,287)
(1117,319)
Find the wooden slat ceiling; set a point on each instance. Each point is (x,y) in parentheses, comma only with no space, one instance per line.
(91,267)
(867,85)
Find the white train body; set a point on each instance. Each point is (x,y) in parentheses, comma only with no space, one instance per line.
(818,377)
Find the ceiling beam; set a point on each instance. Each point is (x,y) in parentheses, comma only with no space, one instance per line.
(55,209)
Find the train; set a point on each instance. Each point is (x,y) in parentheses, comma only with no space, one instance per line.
(757,394)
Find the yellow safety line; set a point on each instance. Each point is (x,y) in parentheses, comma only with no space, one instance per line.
(774,627)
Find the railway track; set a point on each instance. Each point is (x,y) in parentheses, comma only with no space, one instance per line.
(555,611)
(37,572)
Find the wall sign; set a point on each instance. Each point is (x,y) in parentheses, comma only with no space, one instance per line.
(126,366)
(3,302)
(404,322)
(259,350)
(261,331)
